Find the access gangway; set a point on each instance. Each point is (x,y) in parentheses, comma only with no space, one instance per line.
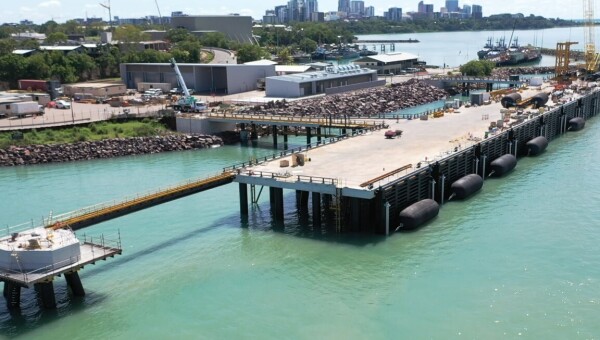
(103,212)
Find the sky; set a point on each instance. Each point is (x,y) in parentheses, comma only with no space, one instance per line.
(40,11)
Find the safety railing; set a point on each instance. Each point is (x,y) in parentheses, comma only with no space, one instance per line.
(322,121)
(28,276)
(290,177)
(313,145)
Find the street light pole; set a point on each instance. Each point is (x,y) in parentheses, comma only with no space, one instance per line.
(72,113)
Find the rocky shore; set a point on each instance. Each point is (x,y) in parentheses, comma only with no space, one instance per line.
(504,72)
(360,103)
(59,153)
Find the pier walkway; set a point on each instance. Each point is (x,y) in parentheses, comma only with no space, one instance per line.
(286,120)
(103,212)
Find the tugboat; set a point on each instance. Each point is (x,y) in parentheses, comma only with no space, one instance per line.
(508,56)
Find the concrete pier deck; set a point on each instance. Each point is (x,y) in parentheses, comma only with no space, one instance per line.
(363,158)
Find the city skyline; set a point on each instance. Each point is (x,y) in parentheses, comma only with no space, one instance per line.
(40,11)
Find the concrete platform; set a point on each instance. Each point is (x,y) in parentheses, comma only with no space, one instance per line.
(363,158)
(90,253)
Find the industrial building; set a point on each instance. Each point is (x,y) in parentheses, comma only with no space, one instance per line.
(203,78)
(389,63)
(95,89)
(332,80)
(235,27)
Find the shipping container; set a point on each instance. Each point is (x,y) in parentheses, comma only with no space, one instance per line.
(33,85)
(165,87)
(20,109)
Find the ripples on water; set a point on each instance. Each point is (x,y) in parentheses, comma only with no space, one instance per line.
(520,257)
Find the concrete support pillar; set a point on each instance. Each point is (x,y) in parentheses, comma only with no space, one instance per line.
(253,133)
(244,199)
(327,205)
(243,133)
(276,197)
(316,208)
(274,130)
(12,294)
(46,293)
(308,135)
(74,282)
(302,200)
(285,137)
(319,136)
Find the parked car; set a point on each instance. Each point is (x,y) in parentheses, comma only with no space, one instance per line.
(61,104)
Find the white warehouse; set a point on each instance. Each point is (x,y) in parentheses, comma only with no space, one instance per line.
(332,80)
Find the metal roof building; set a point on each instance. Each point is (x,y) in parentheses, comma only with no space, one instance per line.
(388,63)
(235,27)
(333,80)
(207,78)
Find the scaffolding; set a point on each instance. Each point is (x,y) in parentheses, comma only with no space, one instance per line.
(591,57)
(563,57)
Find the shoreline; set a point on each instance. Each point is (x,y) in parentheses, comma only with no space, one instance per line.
(107,148)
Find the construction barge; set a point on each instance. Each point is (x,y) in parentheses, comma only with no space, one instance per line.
(370,181)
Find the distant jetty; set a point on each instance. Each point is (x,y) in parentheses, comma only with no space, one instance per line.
(386,41)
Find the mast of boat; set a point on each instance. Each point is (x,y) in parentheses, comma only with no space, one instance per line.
(513,32)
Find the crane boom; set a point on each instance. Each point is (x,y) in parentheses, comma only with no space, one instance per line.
(591,59)
(180,80)
(187,102)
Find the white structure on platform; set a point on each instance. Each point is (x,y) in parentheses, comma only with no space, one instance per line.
(39,249)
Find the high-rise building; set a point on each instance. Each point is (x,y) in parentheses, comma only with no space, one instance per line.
(421,7)
(466,11)
(452,6)
(369,12)
(310,7)
(344,6)
(476,12)
(429,10)
(294,8)
(357,7)
(394,14)
(281,12)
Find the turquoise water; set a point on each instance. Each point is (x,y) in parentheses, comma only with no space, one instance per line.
(518,259)
(458,48)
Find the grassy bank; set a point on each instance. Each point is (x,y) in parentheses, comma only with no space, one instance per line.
(90,132)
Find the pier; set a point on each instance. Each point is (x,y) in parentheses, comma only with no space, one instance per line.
(386,41)
(368,180)
(364,177)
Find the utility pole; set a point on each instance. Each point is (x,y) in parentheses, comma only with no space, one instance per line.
(107,6)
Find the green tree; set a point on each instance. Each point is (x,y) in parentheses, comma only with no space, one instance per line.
(179,34)
(215,40)
(477,68)
(71,27)
(56,38)
(108,61)
(285,57)
(48,27)
(307,45)
(129,36)
(84,66)
(36,67)
(249,52)
(29,44)
(11,68)
(189,48)
(7,46)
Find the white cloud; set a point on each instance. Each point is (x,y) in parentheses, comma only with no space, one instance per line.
(25,9)
(50,3)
